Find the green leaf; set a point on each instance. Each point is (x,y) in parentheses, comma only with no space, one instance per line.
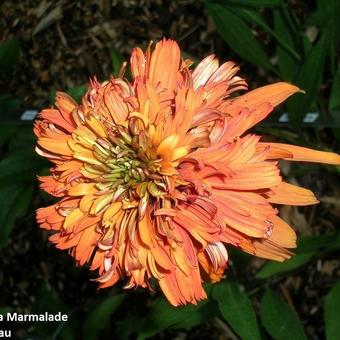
(116,60)
(23,140)
(9,53)
(278,319)
(236,309)
(238,35)
(308,79)
(52,96)
(162,316)
(48,300)
(331,312)
(271,268)
(256,3)
(20,166)
(77,92)
(254,17)
(128,326)
(288,65)
(308,246)
(15,200)
(5,310)
(9,103)
(326,17)
(99,316)
(202,315)
(334,100)
(316,243)
(6,132)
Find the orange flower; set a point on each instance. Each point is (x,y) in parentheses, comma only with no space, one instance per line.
(157,176)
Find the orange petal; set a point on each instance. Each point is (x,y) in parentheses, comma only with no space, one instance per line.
(82,189)
(249,177)
(273,152)
(56,145)
(164,64)
(66,105)
(64,102)
(303,154)
(269,250)
(55,117)
(290,194)
(138,63)
(283,235)
(274,94)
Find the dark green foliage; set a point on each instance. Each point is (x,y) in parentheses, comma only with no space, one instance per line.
(99,315)
(238,35)
(331,310)
(9,53)
(237,309)
(299,60)
(279,319)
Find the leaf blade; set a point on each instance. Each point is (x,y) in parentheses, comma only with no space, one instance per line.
(9,53)
(236,309)
(308,79)
(279,319)
(238,35)
(331,313)
(100,314)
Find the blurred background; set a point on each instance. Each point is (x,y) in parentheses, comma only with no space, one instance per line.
(58,45)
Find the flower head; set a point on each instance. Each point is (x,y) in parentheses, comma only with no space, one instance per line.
(157,176)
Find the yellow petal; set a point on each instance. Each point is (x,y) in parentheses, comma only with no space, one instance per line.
(179,153)
(167,145)
(71,218)
(112,210)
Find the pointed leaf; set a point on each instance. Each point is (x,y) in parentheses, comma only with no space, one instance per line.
(238,35)
(48,300)
(326,17)
(15,200)
(77,92)
(309,80)
(331,310)
(279,320)
(98,317)
(334,100)
(271,268)
(9,53)
(202,315)
(116,60)
(236,309)
(288,65)
(254,17)
(308,247)
(20,166)
(162,315)
(256,3)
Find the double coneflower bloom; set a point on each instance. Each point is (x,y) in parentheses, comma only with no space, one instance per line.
(158,176)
